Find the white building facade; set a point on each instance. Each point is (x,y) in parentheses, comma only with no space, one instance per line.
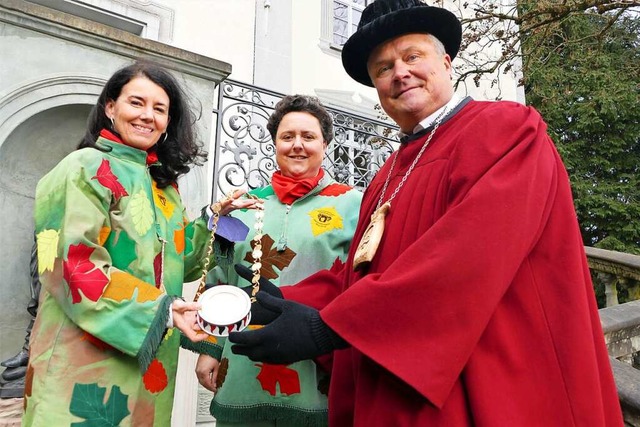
(282,46)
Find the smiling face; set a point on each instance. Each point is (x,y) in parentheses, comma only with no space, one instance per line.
(140,114)
(412,77)
(300,146)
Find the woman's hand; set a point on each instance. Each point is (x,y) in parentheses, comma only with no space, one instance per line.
(184,318)
(207,372)
(235,201)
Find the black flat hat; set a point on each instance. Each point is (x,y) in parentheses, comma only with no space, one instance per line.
(385,19)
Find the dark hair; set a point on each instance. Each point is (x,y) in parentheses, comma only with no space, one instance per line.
(305,104)
(180,149)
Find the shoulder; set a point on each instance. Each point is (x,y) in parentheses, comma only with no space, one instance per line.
(88,159)
(490,129)
(78,162)
(495,122)
(85,168)
(503,113)
(263,192)
(342,191)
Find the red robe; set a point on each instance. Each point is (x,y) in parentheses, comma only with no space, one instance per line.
(478,308)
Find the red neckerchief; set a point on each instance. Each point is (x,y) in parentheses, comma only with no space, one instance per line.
(152,155)
(289,189)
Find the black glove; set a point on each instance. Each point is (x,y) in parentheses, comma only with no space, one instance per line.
(298,333)
(259,315)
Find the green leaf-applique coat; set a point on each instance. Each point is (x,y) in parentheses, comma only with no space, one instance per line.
(113,253)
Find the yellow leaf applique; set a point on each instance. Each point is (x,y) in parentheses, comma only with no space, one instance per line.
(47,241)
(166,206)
(168,334)
(141,212)
(104,235)
(325,219)
(122,287)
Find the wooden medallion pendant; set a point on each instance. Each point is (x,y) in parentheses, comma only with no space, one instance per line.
(371,237)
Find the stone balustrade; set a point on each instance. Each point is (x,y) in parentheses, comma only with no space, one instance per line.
(621,323)
(618,271)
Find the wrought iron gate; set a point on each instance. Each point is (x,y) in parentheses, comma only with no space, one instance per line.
(245,153)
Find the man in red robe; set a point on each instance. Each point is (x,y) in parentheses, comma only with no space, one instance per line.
(477,308)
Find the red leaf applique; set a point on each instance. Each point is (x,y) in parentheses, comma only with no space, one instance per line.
(97,342)
(334,190)
(270,375)
(106,177)
(82,275)
(157,269)
(155,379)
(337,265)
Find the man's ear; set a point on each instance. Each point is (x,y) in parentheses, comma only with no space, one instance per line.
(447,64)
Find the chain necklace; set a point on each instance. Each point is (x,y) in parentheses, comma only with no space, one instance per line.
(373,234)
(256,246)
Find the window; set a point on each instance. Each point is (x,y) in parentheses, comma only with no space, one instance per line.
(149,20)
(346,16)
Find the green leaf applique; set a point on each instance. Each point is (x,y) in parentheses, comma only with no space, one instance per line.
(141,212)
(88,402)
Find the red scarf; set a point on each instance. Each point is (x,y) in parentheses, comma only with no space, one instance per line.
(290,189)
(152,155)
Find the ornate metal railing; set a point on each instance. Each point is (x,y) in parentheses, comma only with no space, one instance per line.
(245,154)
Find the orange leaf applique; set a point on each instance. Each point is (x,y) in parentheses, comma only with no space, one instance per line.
(211,339)
(82,275)
(28,384)
(104,235)
(271,257)
(271,375)
(155,379)
(108,180)
(178,238)
(123,286)
(334,190)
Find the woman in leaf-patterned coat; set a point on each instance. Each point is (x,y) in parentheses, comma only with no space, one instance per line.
(114,248)
(309,220)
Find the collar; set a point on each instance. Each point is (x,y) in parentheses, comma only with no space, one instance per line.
(122,151)
(288,189)
(151,153)
(428,121)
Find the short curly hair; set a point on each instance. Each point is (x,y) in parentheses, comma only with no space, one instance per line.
(305,104)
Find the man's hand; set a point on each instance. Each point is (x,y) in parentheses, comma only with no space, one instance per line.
(297,333)
(207,372)
(259,315)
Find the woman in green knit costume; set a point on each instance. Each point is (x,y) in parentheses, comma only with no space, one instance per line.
(114,248)
(309,220)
